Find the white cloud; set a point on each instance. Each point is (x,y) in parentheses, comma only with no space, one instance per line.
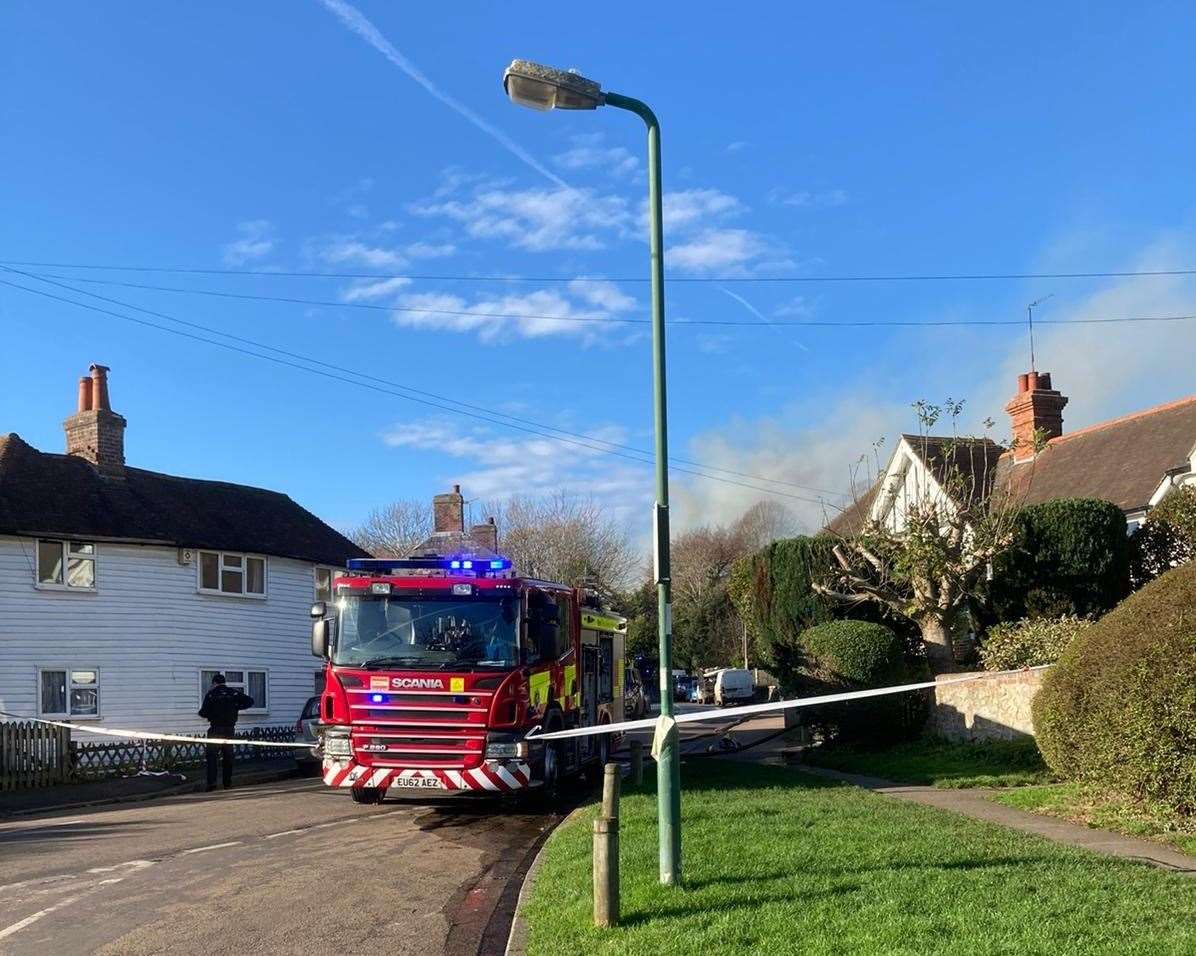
(372,291)
(809,198)
(500,464)
(687,208)
(533,314)
(534,219)
(355,252)
(591,152)
(717,249)
(736,147)
(429,250)
(256,241)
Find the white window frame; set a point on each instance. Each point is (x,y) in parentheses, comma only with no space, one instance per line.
(64,545)
(69,669)
(315,582)
(241,685)
(243,569)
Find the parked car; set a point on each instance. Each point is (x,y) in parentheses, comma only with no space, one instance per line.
(310,761)
(733,686)
(682,687)
(635,700)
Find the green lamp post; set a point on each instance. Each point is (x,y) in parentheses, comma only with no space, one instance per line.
(544,88)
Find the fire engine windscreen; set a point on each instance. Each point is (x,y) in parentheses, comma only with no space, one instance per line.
(405,632)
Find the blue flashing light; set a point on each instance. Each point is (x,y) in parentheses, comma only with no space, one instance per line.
(497,565)
(454,565)
(377,698)
(467,565)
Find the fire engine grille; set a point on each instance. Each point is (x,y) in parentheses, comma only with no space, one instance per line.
(420,729)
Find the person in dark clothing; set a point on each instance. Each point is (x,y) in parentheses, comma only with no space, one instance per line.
(221,705)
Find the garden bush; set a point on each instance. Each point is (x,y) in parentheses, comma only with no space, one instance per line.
(853,655)
(1029,643)
(1118,710)
(1167,539)
(1069,556)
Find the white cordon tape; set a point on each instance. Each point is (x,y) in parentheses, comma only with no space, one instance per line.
(149,735)
(666,725)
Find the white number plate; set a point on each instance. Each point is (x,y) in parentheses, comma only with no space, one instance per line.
(417,783)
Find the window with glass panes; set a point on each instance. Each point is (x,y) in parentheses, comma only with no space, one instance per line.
(69,692)
(248,681)
(326,583)
(66,564)
(221,572)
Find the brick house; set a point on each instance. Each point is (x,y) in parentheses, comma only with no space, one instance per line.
(124,589)
(1131,461)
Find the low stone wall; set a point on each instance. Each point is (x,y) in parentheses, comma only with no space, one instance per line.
(997,708)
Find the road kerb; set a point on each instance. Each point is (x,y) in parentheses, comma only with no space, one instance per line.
(517,939)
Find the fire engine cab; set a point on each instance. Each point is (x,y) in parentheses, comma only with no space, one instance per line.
(437,669)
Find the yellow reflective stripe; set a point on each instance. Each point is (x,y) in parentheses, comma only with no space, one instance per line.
(537,687)
(570,677)
(601,622)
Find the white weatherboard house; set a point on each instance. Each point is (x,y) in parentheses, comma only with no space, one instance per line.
(123,590)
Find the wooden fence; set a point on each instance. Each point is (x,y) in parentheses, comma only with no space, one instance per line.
(38,755)
(33,755)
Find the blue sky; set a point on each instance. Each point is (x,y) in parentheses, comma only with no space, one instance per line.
(799,142)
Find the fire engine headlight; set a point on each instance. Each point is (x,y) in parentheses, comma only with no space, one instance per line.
(336,743)
(505,746)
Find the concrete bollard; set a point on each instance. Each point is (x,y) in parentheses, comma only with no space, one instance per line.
(610,791)
(606,872)
(637,763)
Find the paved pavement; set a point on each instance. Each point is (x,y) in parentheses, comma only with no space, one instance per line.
(975,803)
(288,867)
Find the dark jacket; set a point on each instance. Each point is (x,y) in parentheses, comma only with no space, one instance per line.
(221,705)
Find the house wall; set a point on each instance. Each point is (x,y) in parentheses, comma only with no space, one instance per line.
(996,708)
(149,632)
(907,483)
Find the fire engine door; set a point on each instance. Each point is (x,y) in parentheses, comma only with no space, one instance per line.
(589,694)
(606,670)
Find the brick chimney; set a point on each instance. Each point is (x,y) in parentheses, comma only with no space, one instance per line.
(448,512)
(95,432)
(485,535)
(1036,408)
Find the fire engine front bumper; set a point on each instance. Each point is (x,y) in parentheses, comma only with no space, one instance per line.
(493,776)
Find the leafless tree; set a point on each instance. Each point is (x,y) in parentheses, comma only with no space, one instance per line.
(926,566)
(563,537)
(392,530)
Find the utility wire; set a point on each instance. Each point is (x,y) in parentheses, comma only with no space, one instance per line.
(606,320)
(881,277)
(584,443)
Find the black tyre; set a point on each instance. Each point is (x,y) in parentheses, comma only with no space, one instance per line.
(368,794)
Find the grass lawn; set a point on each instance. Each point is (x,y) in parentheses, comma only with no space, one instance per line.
(1072,801)
(1012,763)
(776,861)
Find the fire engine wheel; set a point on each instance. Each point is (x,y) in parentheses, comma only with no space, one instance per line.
(368,794)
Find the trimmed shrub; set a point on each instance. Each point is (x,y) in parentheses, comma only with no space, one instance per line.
(1119,708)
(1069,556)
(1167,539)
(853,655)
(1029,643)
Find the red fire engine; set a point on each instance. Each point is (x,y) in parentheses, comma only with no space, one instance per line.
(437,668)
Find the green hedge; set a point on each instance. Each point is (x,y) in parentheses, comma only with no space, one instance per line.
(1119,708)
(1029,643)
(1068,557)
(853,655)
(1167,539)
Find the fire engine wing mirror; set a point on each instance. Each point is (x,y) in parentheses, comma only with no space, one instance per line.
(320,634)
(319,610)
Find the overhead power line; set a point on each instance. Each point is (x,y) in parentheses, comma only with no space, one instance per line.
(398,390)
(858,277)
(606,319)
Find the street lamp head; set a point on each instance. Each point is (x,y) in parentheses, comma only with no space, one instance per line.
(545,88)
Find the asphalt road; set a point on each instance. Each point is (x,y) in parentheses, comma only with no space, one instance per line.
(289,867)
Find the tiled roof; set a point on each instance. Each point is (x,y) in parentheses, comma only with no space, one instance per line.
(44,493)
(1122,460)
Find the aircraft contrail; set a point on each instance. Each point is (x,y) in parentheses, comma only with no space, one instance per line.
(760,315)
(356,21)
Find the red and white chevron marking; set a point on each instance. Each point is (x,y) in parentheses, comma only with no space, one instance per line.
(493,776)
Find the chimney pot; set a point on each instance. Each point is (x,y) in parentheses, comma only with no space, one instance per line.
(1023,382)
(1044,380)
(99,389)
(84,395)
(1032,381)
(1036,410)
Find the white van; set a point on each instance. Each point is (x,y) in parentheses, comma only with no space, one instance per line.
(733,686)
